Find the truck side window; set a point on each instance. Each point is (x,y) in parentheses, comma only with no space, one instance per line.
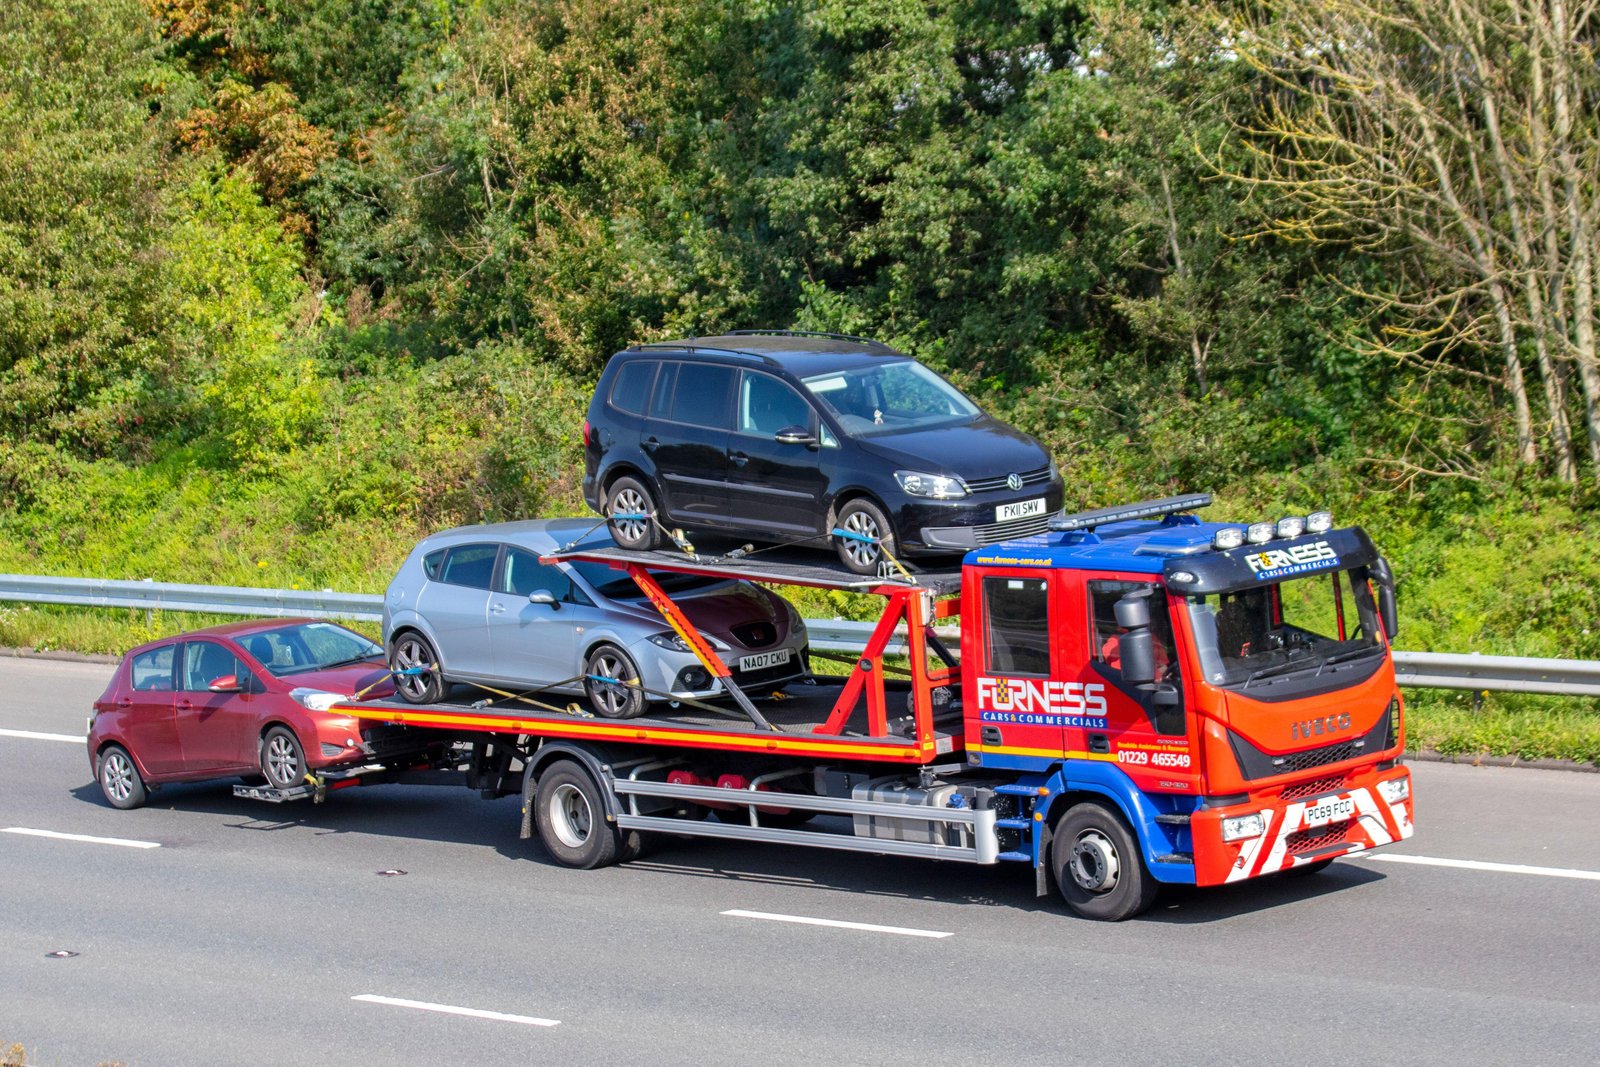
(1103,597)
(1016,615)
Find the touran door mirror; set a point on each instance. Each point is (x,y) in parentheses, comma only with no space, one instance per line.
(795,435)
(1388,609)
(228,683)
(544,596)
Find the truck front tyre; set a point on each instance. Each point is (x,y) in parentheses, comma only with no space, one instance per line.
(1098,866)
(572,819)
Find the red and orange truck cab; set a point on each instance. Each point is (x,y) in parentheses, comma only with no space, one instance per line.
(1228,687)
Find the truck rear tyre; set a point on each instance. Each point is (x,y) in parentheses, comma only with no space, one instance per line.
(412,651)
(1098,865)
(631,497)
(572,819)
(865,519)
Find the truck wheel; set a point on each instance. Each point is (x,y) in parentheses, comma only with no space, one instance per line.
(1098,866)
(864,518)
(630,496)
(119,778)
(619,699)
(282,759)
(412,650)
(572,819)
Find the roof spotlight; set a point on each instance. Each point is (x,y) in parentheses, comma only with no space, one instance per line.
(1319,522)
(1259,533)
(1228,537)
(1291,526)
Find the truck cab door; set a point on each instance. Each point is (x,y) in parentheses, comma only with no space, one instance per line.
(1015,716)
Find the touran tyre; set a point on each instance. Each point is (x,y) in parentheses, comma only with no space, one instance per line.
(864,519)
(618,696)
(412,650)
(572,819)
(631,497)
(1098,865)
(119,778)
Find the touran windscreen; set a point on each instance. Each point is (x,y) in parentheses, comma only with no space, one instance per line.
(886,397)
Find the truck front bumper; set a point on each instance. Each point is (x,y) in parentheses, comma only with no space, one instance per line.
(1271,834)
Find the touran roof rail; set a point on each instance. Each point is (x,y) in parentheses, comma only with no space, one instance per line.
(691,347)
(807,333)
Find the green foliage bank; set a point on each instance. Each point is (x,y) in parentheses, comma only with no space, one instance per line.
(286,283)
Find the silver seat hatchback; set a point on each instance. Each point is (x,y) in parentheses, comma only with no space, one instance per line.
(476,605)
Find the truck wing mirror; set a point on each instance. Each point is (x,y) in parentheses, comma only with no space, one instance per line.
(1383,578)
(1137,650)
(1133,611)
(544,596)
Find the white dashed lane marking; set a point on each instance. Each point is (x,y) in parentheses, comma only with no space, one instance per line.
(903,931)
(451,1009)
(1482,865)
(34,735)
(56,835)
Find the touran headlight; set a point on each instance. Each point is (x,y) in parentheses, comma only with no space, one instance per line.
(1291,526)
(936,486)
(1240,827)
(315,699)
(1319,522)
(669,639)
(1228,537)
(1394,790)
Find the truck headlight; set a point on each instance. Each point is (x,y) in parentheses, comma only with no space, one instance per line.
(935,486)
(1239,827)
(1394,790)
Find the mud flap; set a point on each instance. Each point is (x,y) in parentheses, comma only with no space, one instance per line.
(1042,878)
(528,784)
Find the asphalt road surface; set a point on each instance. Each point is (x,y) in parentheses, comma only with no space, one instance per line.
(257,933)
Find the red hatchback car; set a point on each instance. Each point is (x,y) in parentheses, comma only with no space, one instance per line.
(245,698)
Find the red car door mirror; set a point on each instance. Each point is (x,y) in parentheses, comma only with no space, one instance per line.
(228,683)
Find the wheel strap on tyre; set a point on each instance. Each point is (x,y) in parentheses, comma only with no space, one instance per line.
(850,535)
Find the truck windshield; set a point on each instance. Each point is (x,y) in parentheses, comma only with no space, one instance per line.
(886,397)
(1301,625)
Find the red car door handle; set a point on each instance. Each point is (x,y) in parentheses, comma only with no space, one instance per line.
(124,702)
(185,704)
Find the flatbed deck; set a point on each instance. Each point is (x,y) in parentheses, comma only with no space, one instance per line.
(780,565)
(796,713)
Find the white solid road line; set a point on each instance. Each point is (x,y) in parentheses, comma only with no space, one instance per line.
(58,836)
(904,931)
(1480,865)
(450,1009)
(34,735)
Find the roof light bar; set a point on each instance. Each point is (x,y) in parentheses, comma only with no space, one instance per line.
(1291,526)
(1259,533)
(1228,537)
(1319,522)
(1144,509)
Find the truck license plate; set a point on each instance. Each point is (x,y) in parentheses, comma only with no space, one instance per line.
(1327,811)
(758,660)
(1020,510)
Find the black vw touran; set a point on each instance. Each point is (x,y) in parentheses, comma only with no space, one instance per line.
(806,438)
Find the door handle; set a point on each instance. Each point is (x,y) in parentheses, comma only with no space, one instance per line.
(186,705)
(497,609)
(124,702)
(739,458)
(650,444)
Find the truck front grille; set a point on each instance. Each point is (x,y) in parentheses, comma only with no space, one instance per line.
(1326,784)
(1254,763)
(1316,838)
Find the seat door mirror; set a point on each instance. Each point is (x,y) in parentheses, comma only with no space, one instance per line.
(544,596)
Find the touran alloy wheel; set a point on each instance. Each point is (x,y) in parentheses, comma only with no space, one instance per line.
(629,501)
(865,554)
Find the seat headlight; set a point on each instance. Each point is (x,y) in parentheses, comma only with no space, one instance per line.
(1240,827)
(670,640)
(933,486)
